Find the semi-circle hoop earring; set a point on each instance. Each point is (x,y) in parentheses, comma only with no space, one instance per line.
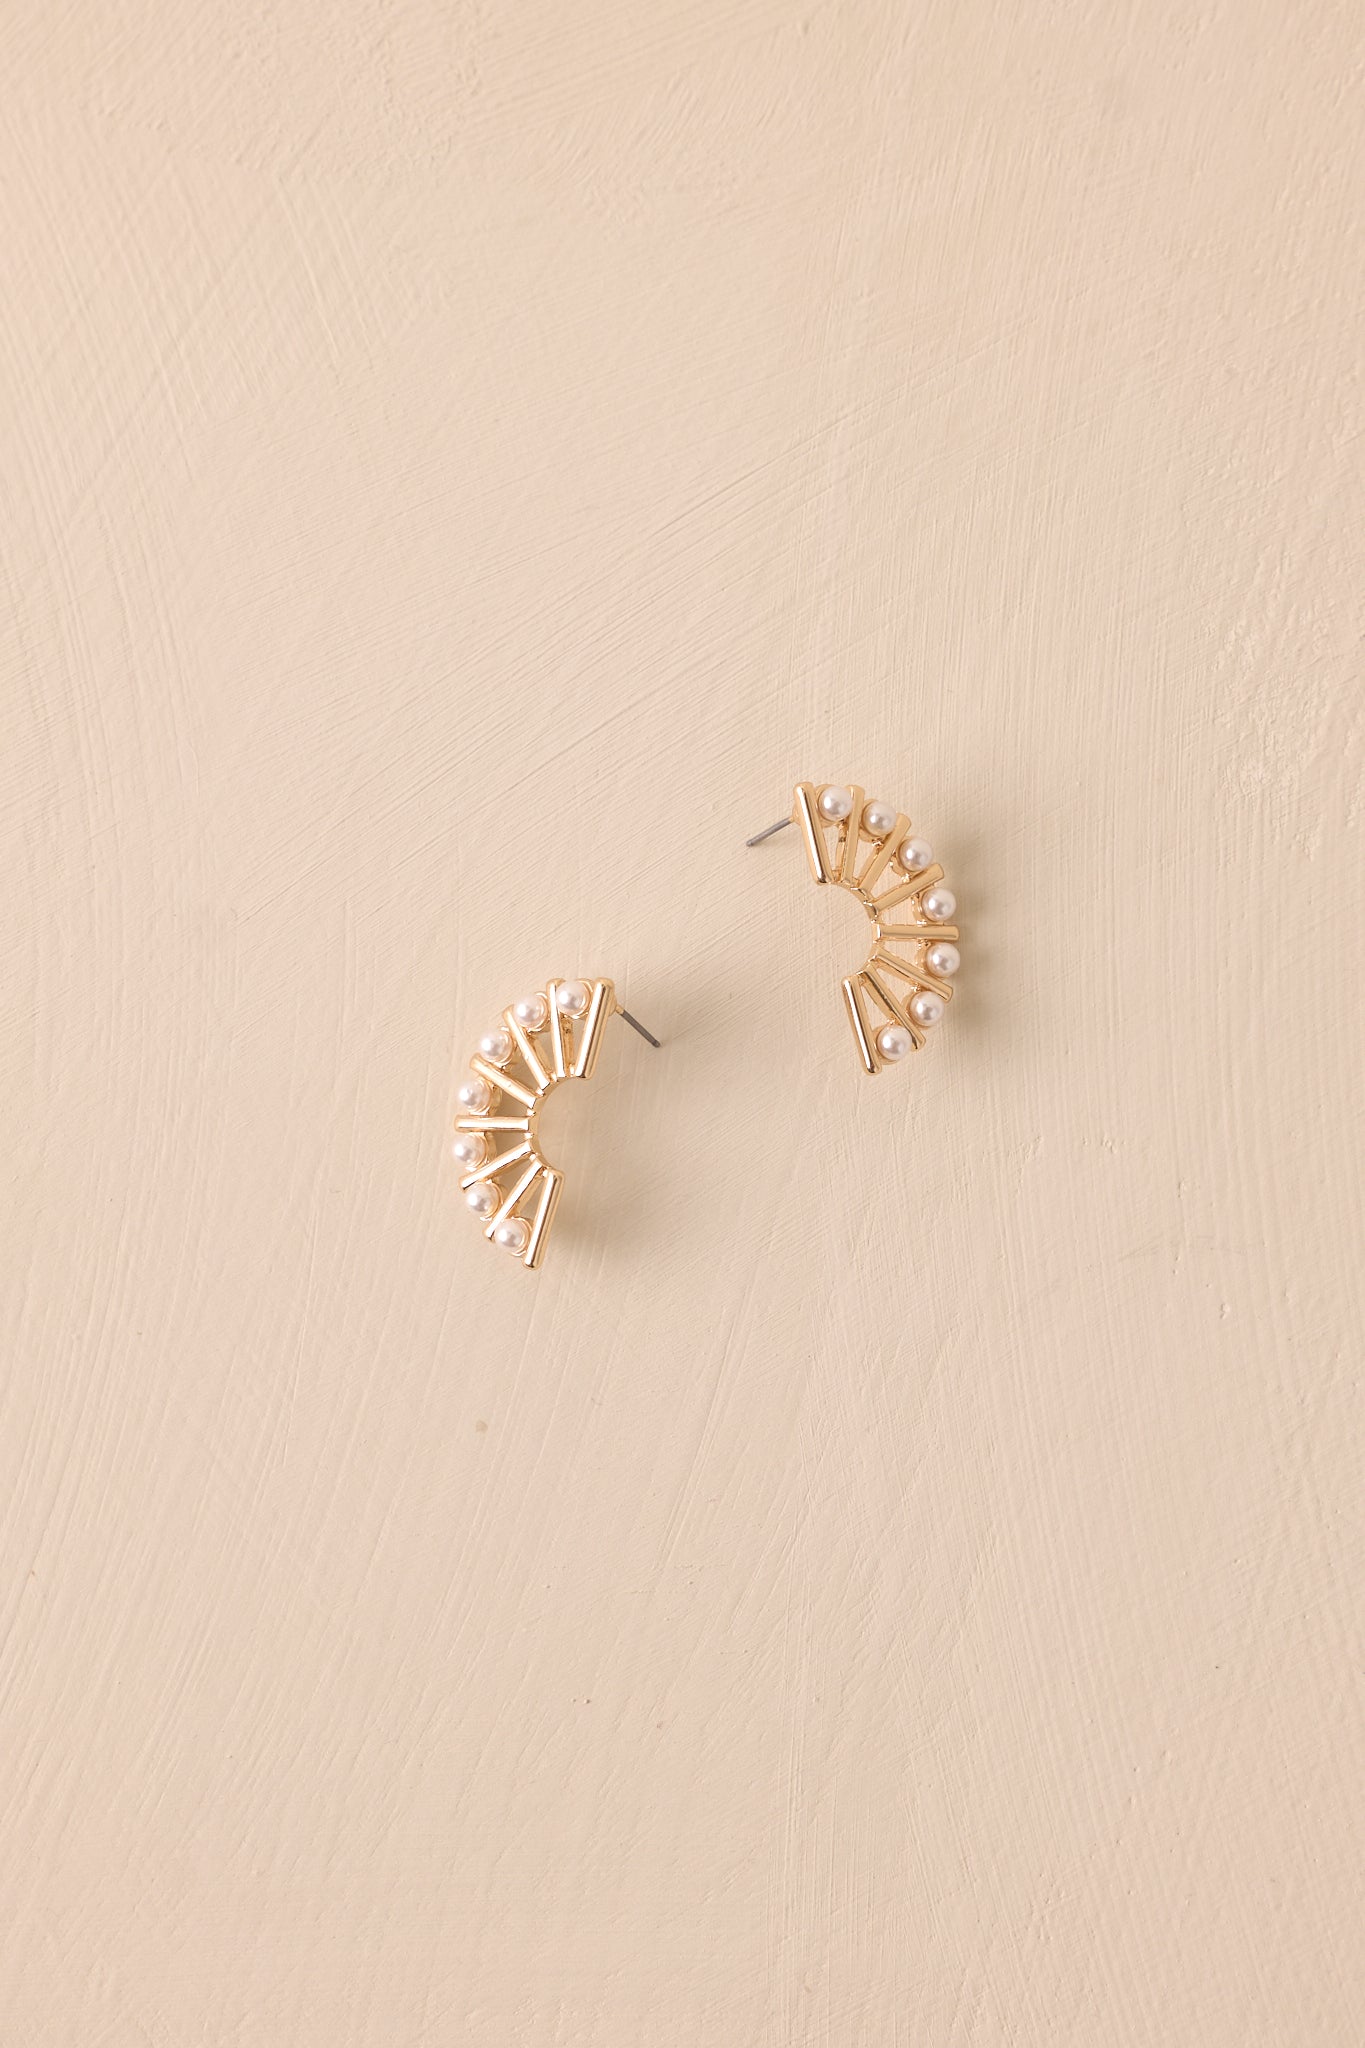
(917,948)
(543,1040)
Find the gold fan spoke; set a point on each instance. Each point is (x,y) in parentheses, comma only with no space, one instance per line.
(849,835)
(496,1078)
(916,931)
(510,1201)
(535,1065)
(920,976)
(894,1009)
(925,879)
(812,832)
(492,1167)
(862,1032)
(561,1046)
(877,860)
(590,1040)
(544,1217)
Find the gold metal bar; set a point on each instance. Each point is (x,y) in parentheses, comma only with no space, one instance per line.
(920,976)
(848,839)
(510,1201)
(809,818)
(496,1077)
(545,1216)
(916,931)
(492,1123)
(492,1166)
(528,1052)
(558,1028)
(590,1043)
(878,858)
(867,1050)
(925,879)
(892,1005)
(893,965)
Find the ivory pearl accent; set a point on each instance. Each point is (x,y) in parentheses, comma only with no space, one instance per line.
(927,1008)
(835,803)
(469,1149)
(532,1013)
(482,1199)
(573,997)
(943,959)
(939,905)
(914,854)
(497,1047)
(513,1235)
(893,1042)
(878,818)
(476,1096)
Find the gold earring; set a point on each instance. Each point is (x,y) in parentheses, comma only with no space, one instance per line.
(929,959)
(515,1061)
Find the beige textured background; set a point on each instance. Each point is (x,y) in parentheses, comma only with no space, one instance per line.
(894,1579)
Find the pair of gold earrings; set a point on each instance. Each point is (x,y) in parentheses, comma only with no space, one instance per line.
(554,1036)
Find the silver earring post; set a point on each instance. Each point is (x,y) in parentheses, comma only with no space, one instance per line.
(636,1025)
(767,832)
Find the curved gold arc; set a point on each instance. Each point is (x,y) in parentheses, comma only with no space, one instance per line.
(564,1048)
(843,852)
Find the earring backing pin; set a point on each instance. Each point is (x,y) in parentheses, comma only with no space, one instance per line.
(635,1023)
(767,832)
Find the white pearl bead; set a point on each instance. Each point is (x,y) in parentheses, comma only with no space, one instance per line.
(878,818)
(497,1047)
(469,1149)
(894,1042)
(482,1198)
(476,1096)
(927,1008)
(835,803)
(573,997)
(531,1013)
(915,854)
(939,905)
(513,1235)
(943,959)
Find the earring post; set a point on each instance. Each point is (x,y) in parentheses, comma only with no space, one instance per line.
(636,1025)
(767,832)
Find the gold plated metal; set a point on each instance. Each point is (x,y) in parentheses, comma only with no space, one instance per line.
(857,1017)
(512,1197)
(878,858)
(498,1077)
(525,1187)
(526,1046)
(925,879)
(848,840)
(559,1033)
(811,831)
(833,853)
(496,1164)
(545,1214)
(599,1009)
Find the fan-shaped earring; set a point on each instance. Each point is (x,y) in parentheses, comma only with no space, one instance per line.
(917,948)
(543,1040)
